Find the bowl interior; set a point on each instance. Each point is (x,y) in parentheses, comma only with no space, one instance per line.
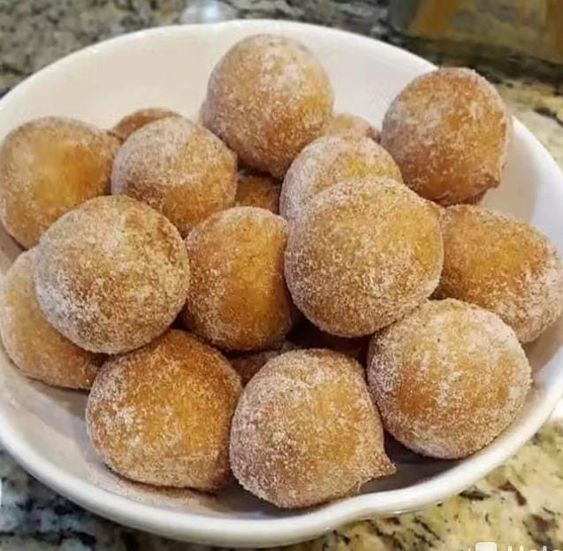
(44,427)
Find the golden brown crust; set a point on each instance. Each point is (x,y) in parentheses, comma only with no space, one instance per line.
(32,343)
(305,430)
(362,255)
(133,121)
(179,168)
(503,265)
(448,378)
(330,160)
(162,414)
(258,190)
(112,274)
(237,298)
(267,98)
(448,131)
(48,166)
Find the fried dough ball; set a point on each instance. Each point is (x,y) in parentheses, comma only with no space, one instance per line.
(258,190)
(32,343)
(503,265)
(267,98)
(237,298)
(162,414)
(348,124)
(305,431)
(112,274)
(128,124)
(48,166)
(448,378)
(331,160)
(362,255)
(179,168)
(448,131)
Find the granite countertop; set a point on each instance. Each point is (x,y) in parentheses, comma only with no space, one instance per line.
(520,503)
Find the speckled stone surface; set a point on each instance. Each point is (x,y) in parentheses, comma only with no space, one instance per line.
(520,503)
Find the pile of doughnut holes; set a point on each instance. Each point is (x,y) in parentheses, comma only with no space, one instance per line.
(260,294)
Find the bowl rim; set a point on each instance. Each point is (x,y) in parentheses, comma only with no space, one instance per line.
(198,527)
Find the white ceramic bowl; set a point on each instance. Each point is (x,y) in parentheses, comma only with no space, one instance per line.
(43,428)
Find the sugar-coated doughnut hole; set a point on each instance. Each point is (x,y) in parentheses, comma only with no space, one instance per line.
(348,124)
(305,430)
(448,378)
(238,299)
(32,343)
(162,414)
(503,265)
(448,131)
(133,121)
(258,190)
(362,255)
(48,166)
(331,160)
(267,98)
(112,274)
(179,168)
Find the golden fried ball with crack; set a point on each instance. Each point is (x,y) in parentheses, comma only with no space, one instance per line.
(305,431)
